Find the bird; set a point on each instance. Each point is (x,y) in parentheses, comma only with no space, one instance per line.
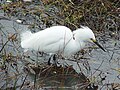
(58,40)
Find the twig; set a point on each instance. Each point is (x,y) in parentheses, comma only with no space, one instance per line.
(23,81)
(98,67)
(6,43)
(4,46)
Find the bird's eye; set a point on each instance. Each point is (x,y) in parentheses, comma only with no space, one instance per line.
(91,39)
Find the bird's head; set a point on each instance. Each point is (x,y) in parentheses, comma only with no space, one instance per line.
(85,34)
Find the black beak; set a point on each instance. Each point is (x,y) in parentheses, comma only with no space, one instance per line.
(99,45)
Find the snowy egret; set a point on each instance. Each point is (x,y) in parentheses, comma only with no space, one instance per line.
(58,39)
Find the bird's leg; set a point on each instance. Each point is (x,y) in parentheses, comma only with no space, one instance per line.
(49,60)
(54,59)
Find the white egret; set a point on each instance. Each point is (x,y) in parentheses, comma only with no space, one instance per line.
(58,39)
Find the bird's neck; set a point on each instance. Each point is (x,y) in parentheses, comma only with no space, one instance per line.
(73,47)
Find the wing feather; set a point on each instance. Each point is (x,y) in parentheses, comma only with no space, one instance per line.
(49,40)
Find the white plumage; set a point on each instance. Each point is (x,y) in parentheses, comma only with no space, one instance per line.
(57,39)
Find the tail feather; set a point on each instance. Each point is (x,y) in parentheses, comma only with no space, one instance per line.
(25,35)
